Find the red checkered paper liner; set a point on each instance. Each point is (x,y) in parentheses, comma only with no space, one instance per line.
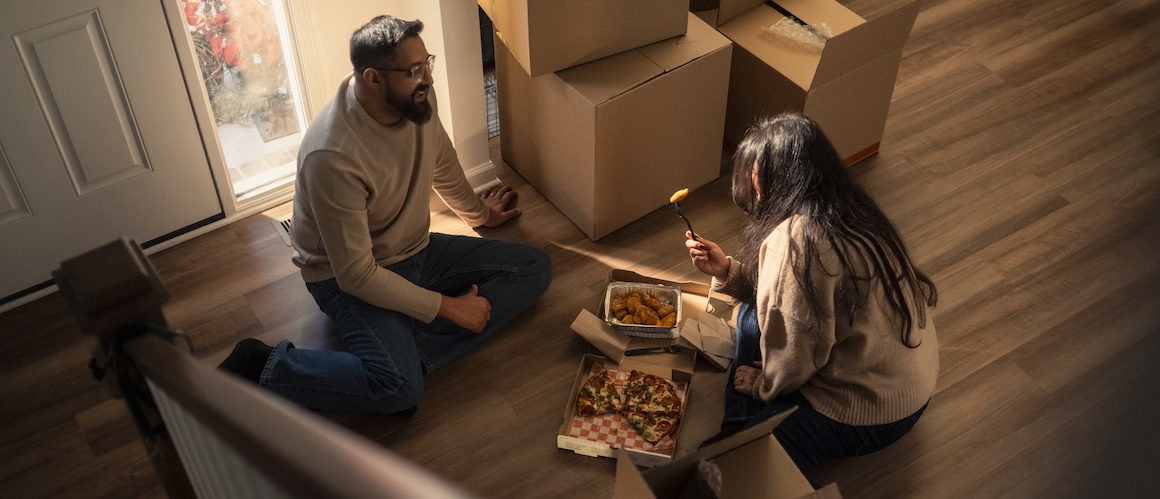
(613,430)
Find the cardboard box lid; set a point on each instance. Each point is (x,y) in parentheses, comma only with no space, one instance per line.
(613,344)
(740,457)
(603,79)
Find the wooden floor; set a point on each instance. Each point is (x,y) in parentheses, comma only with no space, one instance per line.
(1021,162)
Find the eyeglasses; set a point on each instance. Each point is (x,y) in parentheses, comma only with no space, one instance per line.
(416,72)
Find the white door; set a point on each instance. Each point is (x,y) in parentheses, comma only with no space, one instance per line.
(97,134)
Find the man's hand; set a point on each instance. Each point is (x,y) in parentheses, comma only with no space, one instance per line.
(501,205)
(469,311)
(746,378)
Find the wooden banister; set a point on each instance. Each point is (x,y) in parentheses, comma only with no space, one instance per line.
(299,452)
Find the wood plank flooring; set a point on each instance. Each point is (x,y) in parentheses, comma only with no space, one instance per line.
(1020,162)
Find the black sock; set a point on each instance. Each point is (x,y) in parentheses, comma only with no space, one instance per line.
(248,359)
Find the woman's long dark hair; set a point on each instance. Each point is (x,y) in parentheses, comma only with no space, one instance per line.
(799,173)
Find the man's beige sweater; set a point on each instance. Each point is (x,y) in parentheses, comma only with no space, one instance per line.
(362,197)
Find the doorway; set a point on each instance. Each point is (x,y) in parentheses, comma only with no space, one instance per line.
(248,70)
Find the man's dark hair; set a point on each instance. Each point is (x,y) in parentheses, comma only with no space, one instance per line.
(374,44)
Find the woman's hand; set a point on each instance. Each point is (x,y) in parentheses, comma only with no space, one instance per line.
(501,205)
(468,311)
(746,378)
(707,256)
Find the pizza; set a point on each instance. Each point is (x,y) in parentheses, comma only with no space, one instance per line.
(651,406)
(651,426)
(598,396)
(650,394)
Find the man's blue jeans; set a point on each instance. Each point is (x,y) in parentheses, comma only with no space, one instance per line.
(388,352)
(809,437)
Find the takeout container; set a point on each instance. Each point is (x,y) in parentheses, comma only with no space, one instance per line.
(568,439)
(667,295)
(704,328)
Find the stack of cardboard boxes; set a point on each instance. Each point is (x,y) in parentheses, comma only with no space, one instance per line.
(607,107)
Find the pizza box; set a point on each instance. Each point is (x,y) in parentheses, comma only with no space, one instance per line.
(752,464)
(594,436)
(704,328)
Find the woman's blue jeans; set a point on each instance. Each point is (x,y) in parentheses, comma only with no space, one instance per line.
(388,352)
(809,437)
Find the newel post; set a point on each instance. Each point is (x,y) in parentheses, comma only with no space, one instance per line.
(108,289)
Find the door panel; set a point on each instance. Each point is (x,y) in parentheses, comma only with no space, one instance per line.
(98,138)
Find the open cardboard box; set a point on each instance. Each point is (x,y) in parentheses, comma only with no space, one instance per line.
(609,141)
(587,447)
(846,86)
(752,464)
(704,328)
(550,35)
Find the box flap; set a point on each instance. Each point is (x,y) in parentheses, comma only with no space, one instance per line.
(813,12)
(667,480)
(629,482)
(796,61)
(865,43)
(699,39)
(698,288)
(601,80)
(613,343)
(713,338)
(727,10)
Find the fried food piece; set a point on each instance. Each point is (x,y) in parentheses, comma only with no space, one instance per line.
(669,320)
(620,314)
(665,310)
(679,196)
(645,315)
(652,302)
(632,304)
(617,304)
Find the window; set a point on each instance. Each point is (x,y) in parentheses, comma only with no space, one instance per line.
(248,70)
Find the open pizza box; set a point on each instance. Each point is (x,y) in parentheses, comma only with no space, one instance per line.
(609,435)
(704,328)
(751,464)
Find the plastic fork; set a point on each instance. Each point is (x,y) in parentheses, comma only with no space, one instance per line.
(642,351)
(677,206)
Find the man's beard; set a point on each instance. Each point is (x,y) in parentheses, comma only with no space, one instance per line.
(417,112)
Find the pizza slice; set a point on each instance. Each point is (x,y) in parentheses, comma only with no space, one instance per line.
(598,396)
(652,427)
(646,393)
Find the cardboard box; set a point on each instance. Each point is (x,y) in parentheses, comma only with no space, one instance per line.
(565,440)
(846,86)
(704,330)
(549,35)
(752,464)
(609,141)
